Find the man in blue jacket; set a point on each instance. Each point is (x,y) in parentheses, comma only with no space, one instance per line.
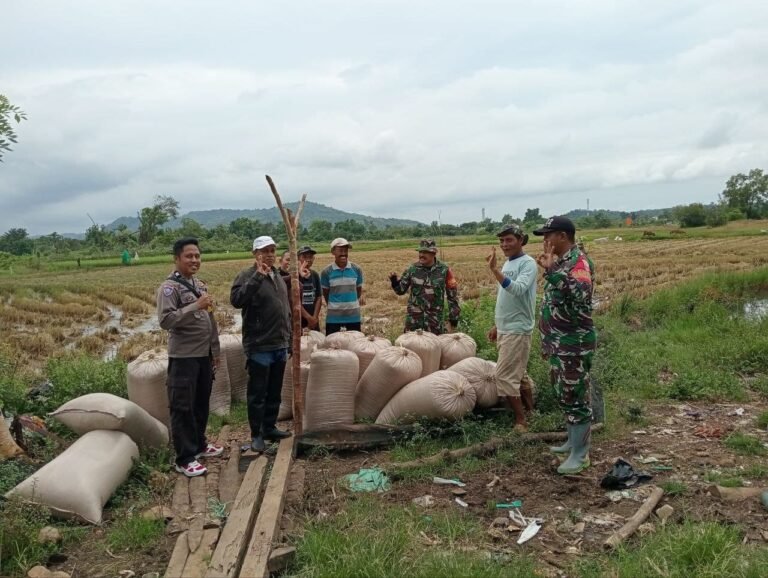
(261,294)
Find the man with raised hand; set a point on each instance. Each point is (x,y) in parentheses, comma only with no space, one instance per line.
(185,310)
(430,282)
(262,296)
(342,283)
(568,336)
(514,320)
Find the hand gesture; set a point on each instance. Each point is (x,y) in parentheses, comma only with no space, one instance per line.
(492,334)
(392,276)
(204,302)
(547,258)
(304,270)
(260,265)
(491,260)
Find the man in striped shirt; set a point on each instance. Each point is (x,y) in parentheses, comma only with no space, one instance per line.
(342,283)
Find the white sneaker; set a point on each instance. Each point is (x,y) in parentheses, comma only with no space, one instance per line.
(210,451)
(192,469)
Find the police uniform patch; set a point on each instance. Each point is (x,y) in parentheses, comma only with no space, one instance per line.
(167,291)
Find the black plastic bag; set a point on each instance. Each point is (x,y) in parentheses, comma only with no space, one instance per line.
(623,476)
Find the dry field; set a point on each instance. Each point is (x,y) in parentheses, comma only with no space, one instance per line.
(111,311)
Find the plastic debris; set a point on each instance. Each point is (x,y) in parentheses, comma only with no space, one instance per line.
(494,482)
(738,412)
(622,476)
(424,501)
(618,496)
(459,492)
(461,502)
(662,468)
(515,504)
(368,480)
(530,531)
(445,482)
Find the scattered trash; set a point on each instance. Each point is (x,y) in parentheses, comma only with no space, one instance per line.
(662,468)
(459,492)
(639,432)
(738,412)
(368,480)
(446,482)
(424,501)
(515,504)
(461,502)
(494,482)
(649,460)
(645,529)
(709,431)
(530,531)
(618,496)
(664,512)
(606,520)
(623,475)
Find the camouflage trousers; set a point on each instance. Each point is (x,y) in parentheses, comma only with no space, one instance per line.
(569,375)
(426,323)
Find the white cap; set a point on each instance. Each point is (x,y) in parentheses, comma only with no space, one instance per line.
(340,242)
(263,241)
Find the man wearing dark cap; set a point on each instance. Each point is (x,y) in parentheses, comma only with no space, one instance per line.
(430,282)
(568,336)
(311,291)
(515,315)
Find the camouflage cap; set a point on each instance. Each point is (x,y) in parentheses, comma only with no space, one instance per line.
(511,229)
(427,245)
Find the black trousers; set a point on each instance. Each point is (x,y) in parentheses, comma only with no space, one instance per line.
(265,385)
(190,380)
(336,327)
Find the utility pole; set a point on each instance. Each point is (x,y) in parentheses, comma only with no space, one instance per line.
(587,203)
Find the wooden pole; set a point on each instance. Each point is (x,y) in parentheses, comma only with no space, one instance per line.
(634,522)
(291,223)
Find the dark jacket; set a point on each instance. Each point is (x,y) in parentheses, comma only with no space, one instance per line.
(265,309)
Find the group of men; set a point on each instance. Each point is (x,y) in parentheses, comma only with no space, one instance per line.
(263,294)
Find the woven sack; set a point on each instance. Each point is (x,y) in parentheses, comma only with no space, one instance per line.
(96,411)
(425,345)
(366,348)
(342,339)
(147,377)
(454,347)
(481,375)
(232,350)
(286,396)
(330,395)
(79,482)
(391,369)
(443,394)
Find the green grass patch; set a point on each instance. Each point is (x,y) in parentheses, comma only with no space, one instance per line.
(238,415)
(702,550)
(370,538)
(762,420)
(674,488)
(134,533)
(745,445)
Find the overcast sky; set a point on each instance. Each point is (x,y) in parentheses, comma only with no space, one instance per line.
(396,109)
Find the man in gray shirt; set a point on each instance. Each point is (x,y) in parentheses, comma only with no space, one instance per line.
(185,310)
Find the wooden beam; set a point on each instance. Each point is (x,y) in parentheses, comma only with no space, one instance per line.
(178,557)
(197,562)
(180,506)
(198,498)
(229,477)
(256,563)
(229,553)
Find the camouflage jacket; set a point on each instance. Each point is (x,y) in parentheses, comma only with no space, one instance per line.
(429,288)
(566,311)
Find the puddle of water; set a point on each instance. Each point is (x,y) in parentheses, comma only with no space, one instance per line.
(756,310)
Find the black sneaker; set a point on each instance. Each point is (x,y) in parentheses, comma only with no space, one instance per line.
(276,434)
(257,444)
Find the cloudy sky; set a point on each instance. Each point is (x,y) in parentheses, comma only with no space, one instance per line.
(391,108)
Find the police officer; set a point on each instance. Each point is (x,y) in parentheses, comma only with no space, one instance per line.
(430,282)
(568,336)
(185,310)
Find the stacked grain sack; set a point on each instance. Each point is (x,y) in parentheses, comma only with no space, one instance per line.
(454,347)
(147,376)
(366,348)
(481,375)
(232,351)
(443,394)
(391,369)
(330,394)
(426,346)
(342,339)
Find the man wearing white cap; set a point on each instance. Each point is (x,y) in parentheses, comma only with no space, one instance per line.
(342,283)
(261,294)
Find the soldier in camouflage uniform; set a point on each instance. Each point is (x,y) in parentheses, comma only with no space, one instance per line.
(568,336)
(430,282)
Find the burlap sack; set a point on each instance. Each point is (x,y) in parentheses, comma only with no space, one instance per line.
(317,337)
(8,447)
(79,482)
(391,369)
(232,349)
(454,347)
(366,348)
(147,376)
(481,375)
(221,392)
(443,394)
(96,411)
(330,395)
(425,345)
(286,397)
(308,345)
(342,339)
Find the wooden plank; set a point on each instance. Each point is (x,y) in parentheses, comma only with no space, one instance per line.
(197,562)
(230,550)
(229,477)
(199,502)
(268,521)
(178,557)
(281,558)
(180,505)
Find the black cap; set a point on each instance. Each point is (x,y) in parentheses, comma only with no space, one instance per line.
(557,223)
(306,249)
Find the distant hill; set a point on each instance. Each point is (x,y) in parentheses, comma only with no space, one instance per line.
(312,212)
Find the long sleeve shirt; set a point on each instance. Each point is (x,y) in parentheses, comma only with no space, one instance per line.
(516,296)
